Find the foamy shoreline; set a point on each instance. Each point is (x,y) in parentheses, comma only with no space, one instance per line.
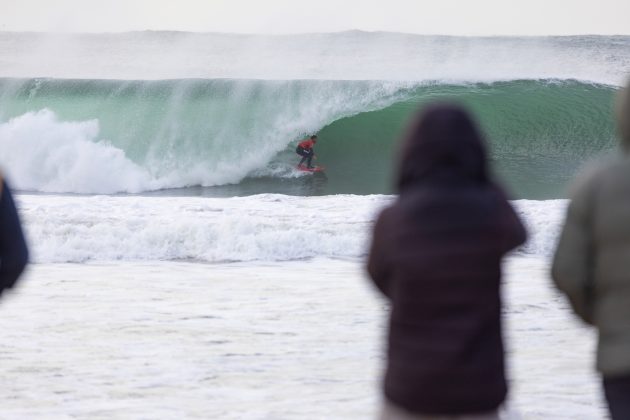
(264,227)
(281,340)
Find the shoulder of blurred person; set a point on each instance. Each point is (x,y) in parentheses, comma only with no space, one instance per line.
(13,249)
(592,258)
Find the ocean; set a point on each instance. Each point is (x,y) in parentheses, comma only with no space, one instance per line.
(182,266)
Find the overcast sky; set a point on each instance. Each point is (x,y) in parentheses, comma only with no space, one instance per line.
(456,17)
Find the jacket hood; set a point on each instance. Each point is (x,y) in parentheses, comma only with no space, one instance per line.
(442,143)
(623,116)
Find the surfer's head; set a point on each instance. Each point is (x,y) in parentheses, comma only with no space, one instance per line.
(623,116)
(314,138)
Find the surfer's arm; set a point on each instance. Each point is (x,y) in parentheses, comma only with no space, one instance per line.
(13,250)
(572,263)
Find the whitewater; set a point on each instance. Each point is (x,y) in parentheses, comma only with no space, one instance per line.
(182,267)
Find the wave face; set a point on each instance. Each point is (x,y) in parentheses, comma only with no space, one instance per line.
(238,136)
(220,114)
(165,134)
(539,133)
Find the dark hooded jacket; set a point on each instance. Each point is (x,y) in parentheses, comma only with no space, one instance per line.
(436,254)
(13,251)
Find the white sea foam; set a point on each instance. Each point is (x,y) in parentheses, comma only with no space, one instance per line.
(543,220)
(171,340)
(256,228)
(45,154)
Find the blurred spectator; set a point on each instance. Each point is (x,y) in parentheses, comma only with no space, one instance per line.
(592,262)
(436,255)
(13,251)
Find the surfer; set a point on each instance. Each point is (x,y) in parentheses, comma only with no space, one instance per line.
(305,149)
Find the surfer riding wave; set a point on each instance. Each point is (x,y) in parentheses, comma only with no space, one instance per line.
(305,149)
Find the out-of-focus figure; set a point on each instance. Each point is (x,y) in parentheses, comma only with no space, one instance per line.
(592,262)
(436,255)
(13,251)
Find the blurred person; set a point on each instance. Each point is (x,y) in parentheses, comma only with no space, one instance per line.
(592,262)
(13,250)
(436,255)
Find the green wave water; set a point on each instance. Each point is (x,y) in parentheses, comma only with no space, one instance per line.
(223,136)
(539,133)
